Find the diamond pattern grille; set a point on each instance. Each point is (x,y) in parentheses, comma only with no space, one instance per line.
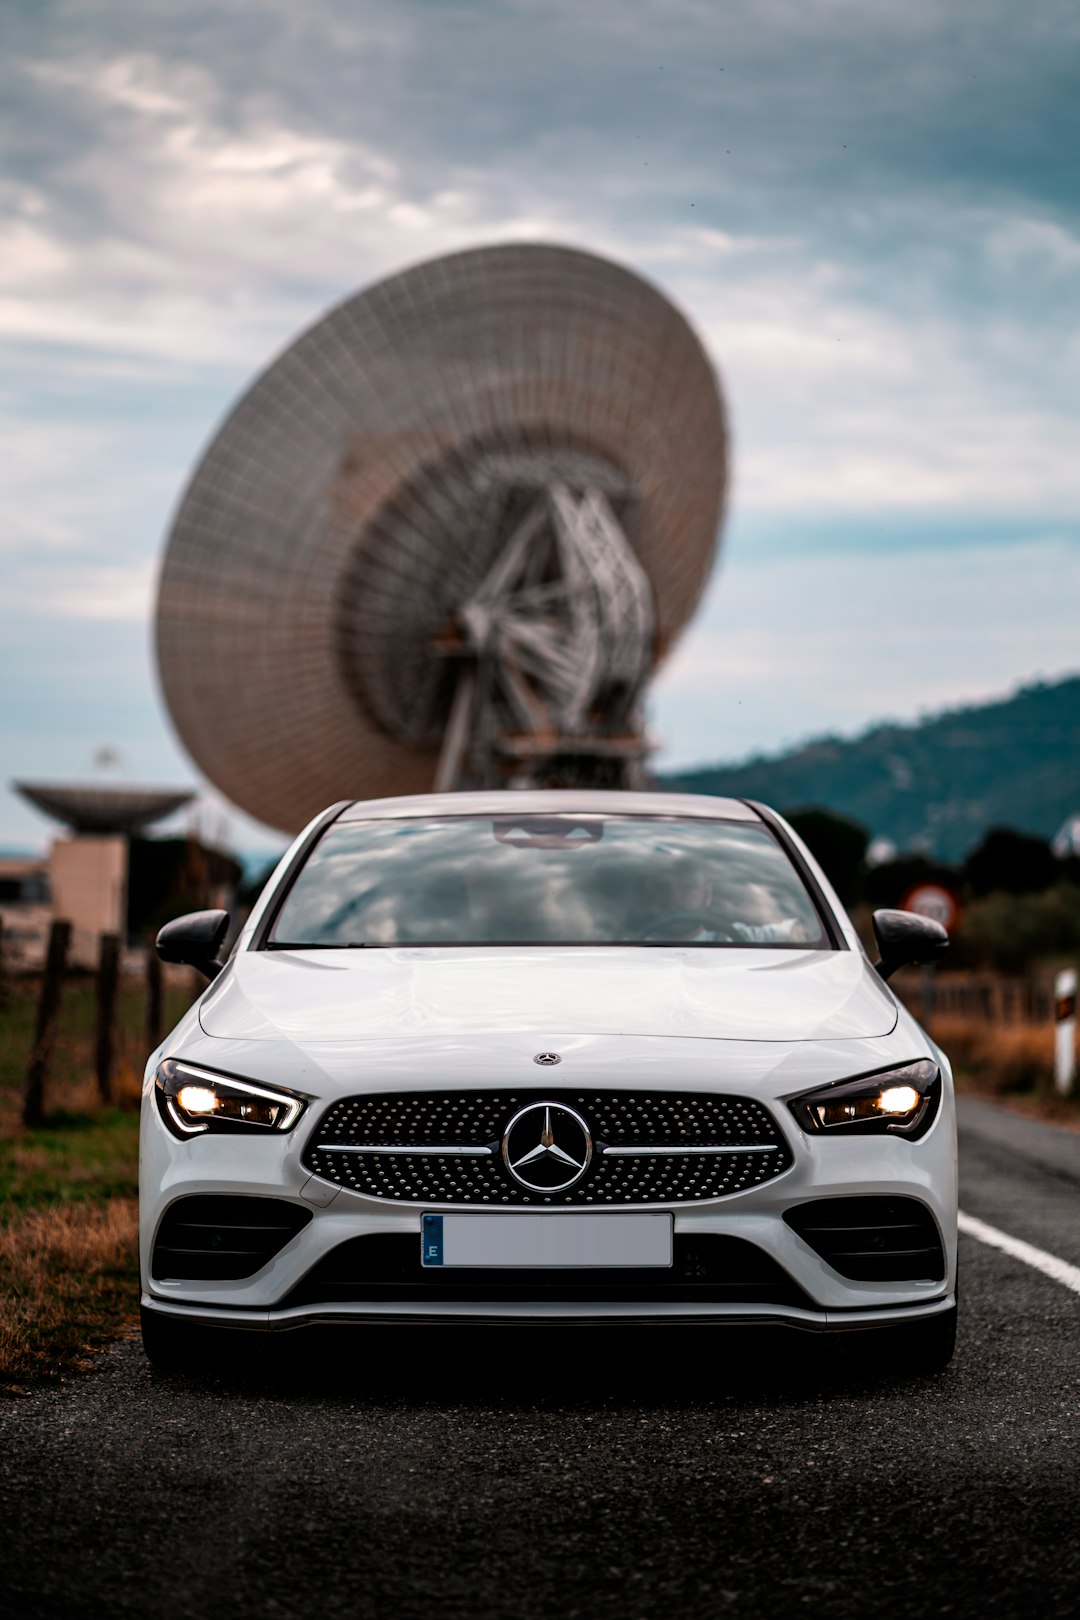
(618,1119)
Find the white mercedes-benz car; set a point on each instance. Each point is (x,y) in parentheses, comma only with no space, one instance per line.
(549,1057)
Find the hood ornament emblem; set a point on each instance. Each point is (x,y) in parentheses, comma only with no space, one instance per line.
(547,1058)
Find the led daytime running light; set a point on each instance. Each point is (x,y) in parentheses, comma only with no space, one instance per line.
(197,1100)
(898,1102)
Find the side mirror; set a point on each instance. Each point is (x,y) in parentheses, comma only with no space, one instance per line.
(905,939)
(195,940)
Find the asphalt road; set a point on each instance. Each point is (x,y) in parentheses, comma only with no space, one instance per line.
(583,1474)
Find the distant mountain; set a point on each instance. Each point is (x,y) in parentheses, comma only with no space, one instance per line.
(938,785)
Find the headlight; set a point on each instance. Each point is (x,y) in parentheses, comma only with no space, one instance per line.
(896,1102)
(192,1101)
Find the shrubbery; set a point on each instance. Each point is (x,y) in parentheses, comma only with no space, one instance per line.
(1010,932)
(1019,903)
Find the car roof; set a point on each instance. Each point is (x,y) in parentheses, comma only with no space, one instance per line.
(566,800)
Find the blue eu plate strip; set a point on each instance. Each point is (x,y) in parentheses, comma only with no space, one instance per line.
(431,1241)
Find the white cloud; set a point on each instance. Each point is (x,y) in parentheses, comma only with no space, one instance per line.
(802,644)
(114,593)
(897,334)
(208,223)
(110,593)
(1023,243)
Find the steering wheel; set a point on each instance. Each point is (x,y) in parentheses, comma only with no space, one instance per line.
(670,918)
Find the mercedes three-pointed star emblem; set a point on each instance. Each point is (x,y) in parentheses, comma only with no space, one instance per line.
(547,1147)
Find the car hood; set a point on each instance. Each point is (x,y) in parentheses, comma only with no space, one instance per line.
(553,992)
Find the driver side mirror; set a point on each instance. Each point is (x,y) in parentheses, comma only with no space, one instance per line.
(905,939)
(195,940)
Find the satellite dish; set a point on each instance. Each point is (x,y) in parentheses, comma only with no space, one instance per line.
(90,807)
(443,541)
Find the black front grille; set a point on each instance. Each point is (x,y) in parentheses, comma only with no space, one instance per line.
(690,1126)
(385,1268)
(216,1236)
(874,1239)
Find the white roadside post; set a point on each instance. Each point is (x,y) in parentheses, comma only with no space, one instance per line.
(1065,1031)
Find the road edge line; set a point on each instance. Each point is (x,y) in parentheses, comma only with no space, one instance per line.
(1049,1264)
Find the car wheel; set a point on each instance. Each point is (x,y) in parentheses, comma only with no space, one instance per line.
(922,1347)
(182,1347)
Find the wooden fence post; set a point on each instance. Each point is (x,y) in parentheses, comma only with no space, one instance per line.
(108,982)
(154,1005)
(48,1017)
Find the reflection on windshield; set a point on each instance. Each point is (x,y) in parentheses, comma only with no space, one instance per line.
(548,879)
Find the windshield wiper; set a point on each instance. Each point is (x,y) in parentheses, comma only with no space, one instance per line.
(316,945)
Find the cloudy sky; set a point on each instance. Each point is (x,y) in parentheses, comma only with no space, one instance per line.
(871,212)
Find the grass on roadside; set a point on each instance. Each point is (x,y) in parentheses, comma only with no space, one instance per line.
(68,1192)
(998,1058)
(68,1284)
(75,1158)
(1009,1064)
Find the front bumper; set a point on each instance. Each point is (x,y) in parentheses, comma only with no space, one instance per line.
(924,1170)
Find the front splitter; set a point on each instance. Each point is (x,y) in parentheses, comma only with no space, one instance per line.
(548,1314)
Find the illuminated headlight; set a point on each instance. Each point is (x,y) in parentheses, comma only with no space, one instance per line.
(193,1101)
(898,1102)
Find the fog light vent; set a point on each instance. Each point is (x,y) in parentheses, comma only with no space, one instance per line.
(872,1239)
(215,1236)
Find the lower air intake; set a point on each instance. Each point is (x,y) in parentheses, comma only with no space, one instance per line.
(385,1268)
(216,1236)
(874,1239)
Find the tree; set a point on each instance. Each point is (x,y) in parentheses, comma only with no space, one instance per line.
(888,884)
(1008,862)
(840,846)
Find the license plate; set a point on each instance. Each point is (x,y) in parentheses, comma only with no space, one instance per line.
(546,1240)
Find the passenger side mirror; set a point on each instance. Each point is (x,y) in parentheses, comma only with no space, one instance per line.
(905,939)
(195,940)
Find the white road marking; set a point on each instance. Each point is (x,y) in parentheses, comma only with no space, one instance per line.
(1049,1264)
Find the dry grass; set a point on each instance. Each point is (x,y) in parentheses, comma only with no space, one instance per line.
(998,1058)
(69,1283)
(68,1222)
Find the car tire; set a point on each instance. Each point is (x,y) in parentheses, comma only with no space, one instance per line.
(183,1347)
(925,1347)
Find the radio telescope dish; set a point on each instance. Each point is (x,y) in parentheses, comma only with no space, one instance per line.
(92,807)
(445,538)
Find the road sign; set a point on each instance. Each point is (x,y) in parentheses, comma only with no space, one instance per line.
(933,901)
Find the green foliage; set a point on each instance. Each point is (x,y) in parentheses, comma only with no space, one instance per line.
(1011,932)
(68,1205)
(939,785)
(890,883)
(839,845)
(1008,862)
(75,1157)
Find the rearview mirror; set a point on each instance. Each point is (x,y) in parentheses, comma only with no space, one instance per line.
(904,938)
(195,940)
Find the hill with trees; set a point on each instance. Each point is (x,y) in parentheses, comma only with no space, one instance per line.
(937,785)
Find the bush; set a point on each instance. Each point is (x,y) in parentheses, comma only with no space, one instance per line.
(838,844)
(1009,932)
(1010,862)
(888,884)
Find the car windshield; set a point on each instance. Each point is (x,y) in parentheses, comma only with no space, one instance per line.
(548,879)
